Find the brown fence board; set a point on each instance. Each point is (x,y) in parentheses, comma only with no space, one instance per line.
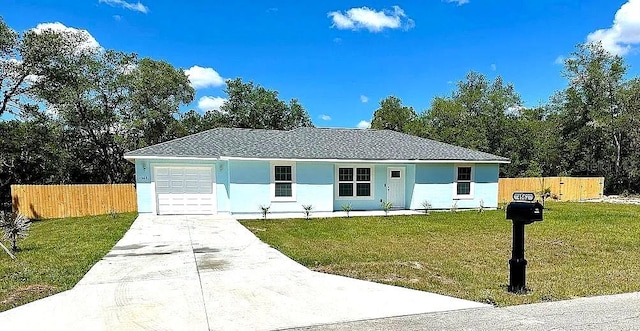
(565,188)
(55,201)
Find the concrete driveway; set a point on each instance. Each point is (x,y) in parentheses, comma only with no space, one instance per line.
(210,273)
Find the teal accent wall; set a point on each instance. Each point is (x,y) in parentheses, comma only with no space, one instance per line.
(250,187)
(314,186)
(144,191)
(434,182)
(222,187)
(410,176)
(486,178)
(242,186)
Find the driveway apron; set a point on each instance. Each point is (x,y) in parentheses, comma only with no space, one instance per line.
(211,273)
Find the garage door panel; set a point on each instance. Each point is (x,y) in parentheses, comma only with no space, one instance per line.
(162,187)
(185,190)
(162,172)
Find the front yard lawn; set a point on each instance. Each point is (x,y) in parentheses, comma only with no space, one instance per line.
(580,249)
(56,255)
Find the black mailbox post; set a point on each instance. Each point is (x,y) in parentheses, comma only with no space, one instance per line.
(521,213)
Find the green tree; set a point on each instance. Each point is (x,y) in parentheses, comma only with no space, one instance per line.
(32,151)
(392,115)
(595,116)
(482,115)
(107,101)
(16,75)
(253,106)
(156,91)
(630,155)
(542,130)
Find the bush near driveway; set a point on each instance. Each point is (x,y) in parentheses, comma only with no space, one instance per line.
(56,255)
(580,249)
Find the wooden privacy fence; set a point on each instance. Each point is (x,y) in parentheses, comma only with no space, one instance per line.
(564,188)
(55,201)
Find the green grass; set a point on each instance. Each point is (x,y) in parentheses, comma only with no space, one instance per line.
(580,249)
(55,256)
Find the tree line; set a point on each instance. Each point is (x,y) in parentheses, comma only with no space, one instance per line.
(590,128)
(70,109)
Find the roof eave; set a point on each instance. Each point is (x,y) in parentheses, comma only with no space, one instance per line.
(159,157)
(208,158)
(366,160)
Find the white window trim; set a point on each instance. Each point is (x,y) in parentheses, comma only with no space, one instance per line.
(469,196)
(355,173)
(272,185)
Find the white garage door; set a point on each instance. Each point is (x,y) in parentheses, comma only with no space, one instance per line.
(185,190)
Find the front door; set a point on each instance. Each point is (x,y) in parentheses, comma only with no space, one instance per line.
(395,187)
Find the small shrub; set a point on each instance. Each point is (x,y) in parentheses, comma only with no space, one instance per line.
(386,206)
(426,204)
(265,210)
(14,226)
(307,210)
(346,208)
(454,207)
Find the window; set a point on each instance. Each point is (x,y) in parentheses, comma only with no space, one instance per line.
(395,173)
(464,188)
(283,181)
(354,182)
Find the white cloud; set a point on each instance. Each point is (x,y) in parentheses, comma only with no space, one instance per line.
(370,19)
(494,67)
(340,21)
(207,103)
(138,6)
(364,98)
(89,43)
(559,60)
(363,124)
(337,40)
(325,117)
(459,2)
(625,31)
(203,77)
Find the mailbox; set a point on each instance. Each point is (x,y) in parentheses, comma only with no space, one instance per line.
(521,211)
(528,212)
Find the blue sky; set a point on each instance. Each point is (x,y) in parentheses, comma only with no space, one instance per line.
(340,58)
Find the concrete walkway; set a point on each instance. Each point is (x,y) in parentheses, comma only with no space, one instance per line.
(197,273)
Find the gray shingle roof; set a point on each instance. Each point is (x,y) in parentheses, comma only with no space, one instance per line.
(311,143)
